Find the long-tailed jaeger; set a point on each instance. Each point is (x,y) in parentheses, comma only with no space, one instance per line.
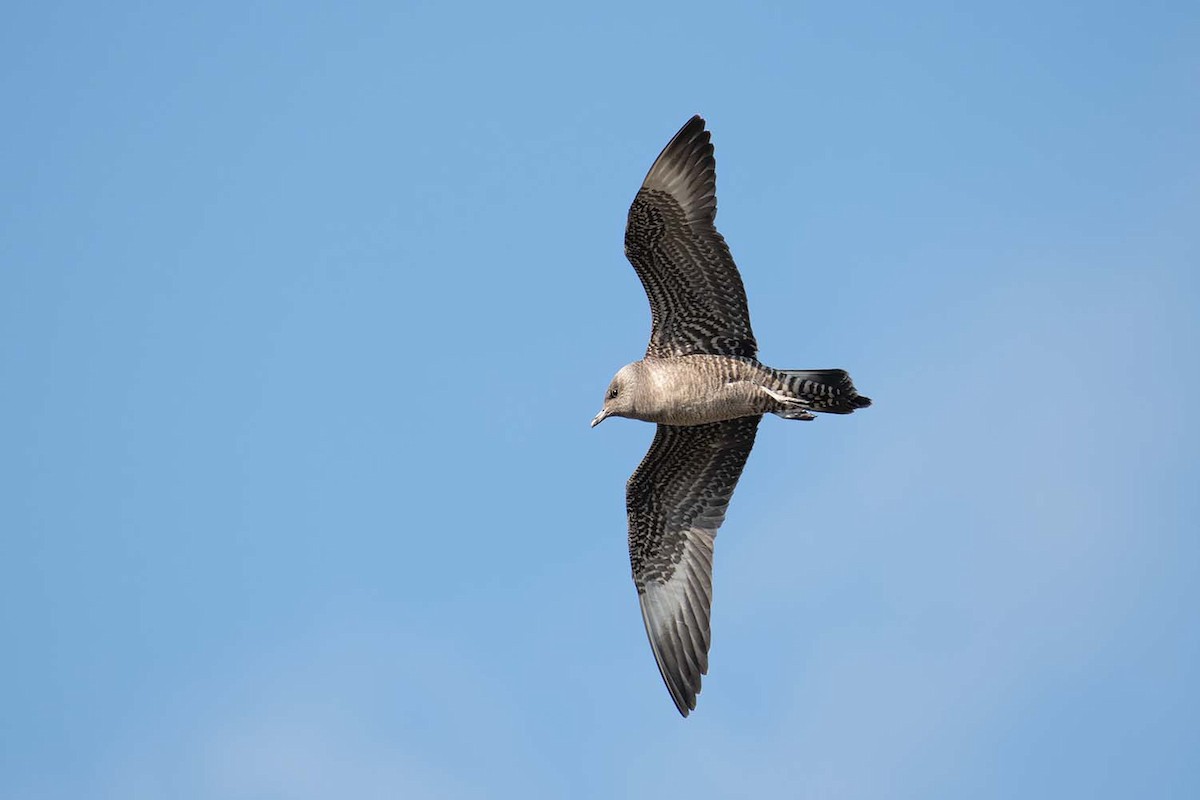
(701,382)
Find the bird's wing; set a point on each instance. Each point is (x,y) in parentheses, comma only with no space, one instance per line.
(697,301)
(676,500)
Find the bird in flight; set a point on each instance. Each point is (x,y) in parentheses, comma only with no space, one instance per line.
(702,383)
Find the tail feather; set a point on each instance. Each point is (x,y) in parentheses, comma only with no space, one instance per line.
(829,391)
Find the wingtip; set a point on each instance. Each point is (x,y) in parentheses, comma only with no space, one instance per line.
(673,663)
(684,703)
(686,169)
(683,139)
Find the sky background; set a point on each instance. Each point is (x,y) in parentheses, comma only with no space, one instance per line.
(305,308)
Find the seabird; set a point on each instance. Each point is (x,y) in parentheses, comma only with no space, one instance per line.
(702,383)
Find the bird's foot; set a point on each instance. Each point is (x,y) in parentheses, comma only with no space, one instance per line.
(791,408)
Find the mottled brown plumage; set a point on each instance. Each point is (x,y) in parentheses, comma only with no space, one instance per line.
(703,385)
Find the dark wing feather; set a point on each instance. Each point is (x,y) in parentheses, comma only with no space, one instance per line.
(676,501)
(697,301)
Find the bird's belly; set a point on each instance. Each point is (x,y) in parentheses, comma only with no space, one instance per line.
(708,398)
(702,413)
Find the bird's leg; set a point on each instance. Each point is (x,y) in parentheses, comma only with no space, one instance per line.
(792,408)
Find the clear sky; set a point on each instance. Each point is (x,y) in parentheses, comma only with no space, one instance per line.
(305,308)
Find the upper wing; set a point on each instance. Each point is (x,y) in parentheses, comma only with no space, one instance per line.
(676,500)
(697,302)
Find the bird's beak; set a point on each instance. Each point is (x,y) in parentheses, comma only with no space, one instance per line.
(600,417)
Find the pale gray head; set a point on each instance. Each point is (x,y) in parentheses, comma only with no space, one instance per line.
(625,395)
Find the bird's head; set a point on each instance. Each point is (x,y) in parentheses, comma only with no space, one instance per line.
(621,399)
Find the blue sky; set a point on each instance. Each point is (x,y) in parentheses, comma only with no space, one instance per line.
(281,518)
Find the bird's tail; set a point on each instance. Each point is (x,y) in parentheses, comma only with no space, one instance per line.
(829,391)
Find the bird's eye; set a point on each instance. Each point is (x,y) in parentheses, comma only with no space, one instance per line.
(612,393)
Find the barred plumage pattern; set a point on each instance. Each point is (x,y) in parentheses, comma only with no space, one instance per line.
(697,301)
(702,382)
(676,501)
